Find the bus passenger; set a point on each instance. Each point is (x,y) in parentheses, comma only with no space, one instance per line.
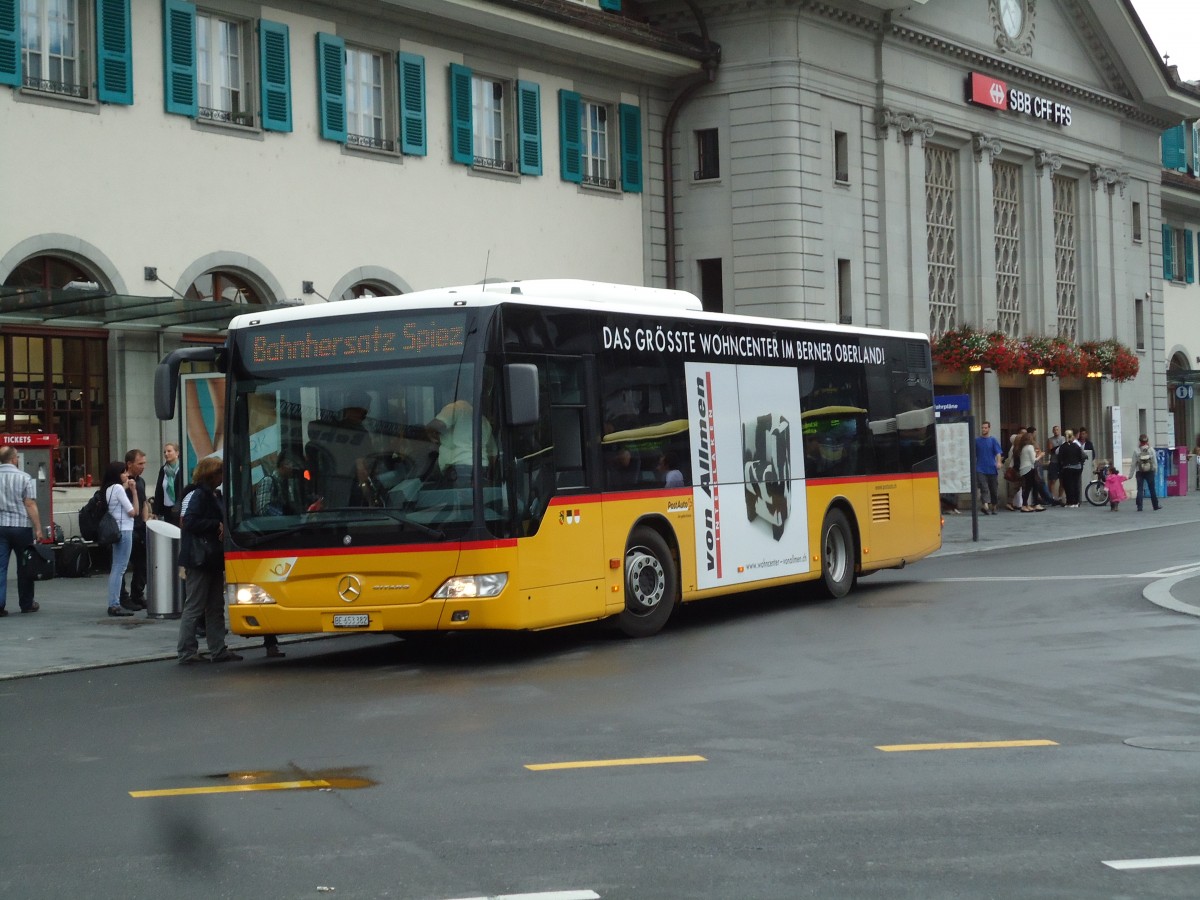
(668,469)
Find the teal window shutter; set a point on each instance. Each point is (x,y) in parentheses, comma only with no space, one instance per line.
(1173,154)
(529,117)
(275,77)
(179,52)
(412,104)
(10,42)
(1196,149)
(570,136)
(1168,253)
(114,52)
(462,149)
(1189,267)
(613,5)
(631,148)
(331,86)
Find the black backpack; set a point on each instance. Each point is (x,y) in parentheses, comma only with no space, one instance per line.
(90,516)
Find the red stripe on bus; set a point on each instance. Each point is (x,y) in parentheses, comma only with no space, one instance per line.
(506,543)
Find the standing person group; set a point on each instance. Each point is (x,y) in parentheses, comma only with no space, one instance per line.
(18,509)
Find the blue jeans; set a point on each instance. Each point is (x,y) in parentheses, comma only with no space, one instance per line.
(15,540)
(120,561)
(1145,483)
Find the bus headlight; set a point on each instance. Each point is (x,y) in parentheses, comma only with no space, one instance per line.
(471,586)
(245,594)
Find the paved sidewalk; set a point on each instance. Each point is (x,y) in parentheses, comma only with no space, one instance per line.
(73,631)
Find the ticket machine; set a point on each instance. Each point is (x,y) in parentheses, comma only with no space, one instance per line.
(36,457)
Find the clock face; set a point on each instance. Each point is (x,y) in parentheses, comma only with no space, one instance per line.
(1012,16)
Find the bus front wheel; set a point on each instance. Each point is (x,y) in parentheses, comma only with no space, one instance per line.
(837,554)
(651,584)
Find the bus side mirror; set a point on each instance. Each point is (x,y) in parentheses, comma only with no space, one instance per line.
(166,377)
(521,394)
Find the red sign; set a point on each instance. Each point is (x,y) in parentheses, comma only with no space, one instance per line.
(29,440)
(985,90)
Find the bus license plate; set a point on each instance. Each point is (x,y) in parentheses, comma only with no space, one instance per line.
(351,621)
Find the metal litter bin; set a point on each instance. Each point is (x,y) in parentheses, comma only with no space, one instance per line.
(164,590)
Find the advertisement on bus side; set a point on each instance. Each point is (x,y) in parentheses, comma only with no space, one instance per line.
(751,512)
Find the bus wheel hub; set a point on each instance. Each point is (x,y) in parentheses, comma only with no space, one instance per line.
(644,580)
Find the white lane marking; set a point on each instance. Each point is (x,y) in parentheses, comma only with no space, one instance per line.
(546,895)
(1163,862)
(1023,579)
(1185,569)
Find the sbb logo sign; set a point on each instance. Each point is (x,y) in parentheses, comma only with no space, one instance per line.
(984,90)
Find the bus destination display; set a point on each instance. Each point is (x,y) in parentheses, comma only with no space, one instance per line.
(338,342)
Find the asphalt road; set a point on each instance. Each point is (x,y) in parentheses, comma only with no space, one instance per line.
(770,745)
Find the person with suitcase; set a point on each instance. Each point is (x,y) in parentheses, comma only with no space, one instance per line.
(18,509)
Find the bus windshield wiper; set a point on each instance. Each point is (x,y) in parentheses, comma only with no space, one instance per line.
(398,516)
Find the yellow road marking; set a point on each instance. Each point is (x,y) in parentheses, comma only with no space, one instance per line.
(600,763)
(236,788)
(975,745)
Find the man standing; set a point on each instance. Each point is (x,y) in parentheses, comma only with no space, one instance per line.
(135,597)
(987,465)
(1145,470)
(18,508)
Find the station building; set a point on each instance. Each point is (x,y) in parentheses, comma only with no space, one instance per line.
(988,164)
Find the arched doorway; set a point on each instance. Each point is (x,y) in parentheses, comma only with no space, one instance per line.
(56,379)
(228,285)
(1182,408)
(369,288)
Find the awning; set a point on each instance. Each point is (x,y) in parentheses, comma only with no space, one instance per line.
(91,308)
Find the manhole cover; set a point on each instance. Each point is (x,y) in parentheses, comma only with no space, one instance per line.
(1187,742)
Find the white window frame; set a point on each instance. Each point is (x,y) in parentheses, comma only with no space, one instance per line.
(224,80)
(370,98)
(493,123)
(80,23)
(596,137)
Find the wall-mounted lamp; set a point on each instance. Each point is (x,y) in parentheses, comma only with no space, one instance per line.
(974,368)
(1037,371)
(1095,374)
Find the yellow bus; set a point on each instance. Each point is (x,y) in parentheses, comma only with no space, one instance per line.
(536,454)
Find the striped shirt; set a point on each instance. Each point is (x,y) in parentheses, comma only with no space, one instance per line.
(15,487)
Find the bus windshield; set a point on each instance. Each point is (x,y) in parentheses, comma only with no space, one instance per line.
(347,457)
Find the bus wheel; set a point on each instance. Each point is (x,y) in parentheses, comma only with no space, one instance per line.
(651,584)
(837,554)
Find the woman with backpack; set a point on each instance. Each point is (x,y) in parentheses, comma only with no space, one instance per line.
(119,492)
(1145,470)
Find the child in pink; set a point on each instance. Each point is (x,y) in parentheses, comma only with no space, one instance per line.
(1116,489)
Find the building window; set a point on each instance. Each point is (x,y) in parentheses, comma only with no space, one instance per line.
(708,154)
(495,124)
(841,157)
(1006,215)
(941,237)
(712,285)
(1139,324)
(845,299)
(368,290)
(224,285)
(592,139)
(1065,199)
(1179,261)
(221,57)
(490,137)
(597,166)
(51,47)
(367,99)
(1135,216)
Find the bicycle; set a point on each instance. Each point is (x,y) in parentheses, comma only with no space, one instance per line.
(1096,491)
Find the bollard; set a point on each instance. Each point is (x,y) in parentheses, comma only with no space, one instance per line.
(164,590)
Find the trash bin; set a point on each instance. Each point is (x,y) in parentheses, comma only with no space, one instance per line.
(164,590)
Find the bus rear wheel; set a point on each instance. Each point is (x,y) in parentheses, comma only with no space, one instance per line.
(651,584)
(837,554)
